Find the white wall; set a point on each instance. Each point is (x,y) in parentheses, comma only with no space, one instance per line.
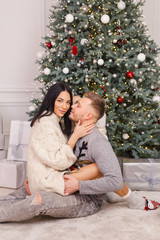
(22,26)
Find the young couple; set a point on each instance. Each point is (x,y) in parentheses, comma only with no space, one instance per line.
(55,190)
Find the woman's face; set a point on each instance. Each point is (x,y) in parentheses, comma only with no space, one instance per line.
(62,104)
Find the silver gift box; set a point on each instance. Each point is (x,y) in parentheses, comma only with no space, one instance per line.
(12,173)
(3,154)
(18,141)
(142,174)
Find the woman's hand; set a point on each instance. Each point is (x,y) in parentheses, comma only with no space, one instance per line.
(79,132)
(82,130)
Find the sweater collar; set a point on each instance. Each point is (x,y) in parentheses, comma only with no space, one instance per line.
(56,117)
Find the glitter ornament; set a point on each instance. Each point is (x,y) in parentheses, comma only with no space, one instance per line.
(120,100)
(125,136)
(46,71)
(141,57)
(49,45)
(100,62)
(105,19)
(130,74)
(69,18)
(31,108)
(121,5)
(65,70)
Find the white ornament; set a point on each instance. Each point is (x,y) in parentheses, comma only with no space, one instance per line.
(69,18)
(65,70)
(121,5)
(105,19)
(156,99)
(114,40)
(107,84)
(84,41)
(114,75)
(46,71)
(141,57)
(40,55)
(100,62)
(31,108)
(125,136)
(133,81)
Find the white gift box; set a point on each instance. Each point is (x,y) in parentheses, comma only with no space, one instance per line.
(18,141)
(2,141)
(12,174)
(3,154)
(142,174)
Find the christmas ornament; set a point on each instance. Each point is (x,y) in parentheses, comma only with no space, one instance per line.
(100,62)
(141,57)
(49,45)
(121,5)
(105,19)
(119,42)
(125,136)
(114,40)
(74,50)
(69,18)
(71,39)
(120,100)
(133,81)
(40,55)
(46,71)
(84,41)
(114,75)
(156,99)
(31,108)
(125,41)
(130,74)
(65,70)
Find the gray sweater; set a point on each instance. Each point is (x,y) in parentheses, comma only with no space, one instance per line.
(96,148)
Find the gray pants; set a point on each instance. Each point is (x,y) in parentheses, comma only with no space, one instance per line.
(18,206)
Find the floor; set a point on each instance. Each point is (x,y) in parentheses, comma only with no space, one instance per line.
(113,222)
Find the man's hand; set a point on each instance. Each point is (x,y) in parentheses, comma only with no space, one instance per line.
(71,185)
(26,186)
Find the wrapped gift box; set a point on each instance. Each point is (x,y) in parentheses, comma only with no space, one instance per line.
(18,141)
(12,174)
(142,174)
(3,154)
(2,141)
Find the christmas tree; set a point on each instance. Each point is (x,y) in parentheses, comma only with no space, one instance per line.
(103,46)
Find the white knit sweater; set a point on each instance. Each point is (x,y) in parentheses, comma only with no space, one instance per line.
(48,156)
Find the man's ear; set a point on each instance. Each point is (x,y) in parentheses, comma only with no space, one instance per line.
(88,116)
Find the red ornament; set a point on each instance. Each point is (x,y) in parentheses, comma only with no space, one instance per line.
(90,35)
(105,90)
(49,45)
(125,41)
(130,74)
(74,50)
(71,39)
(81,59)
(119,42)
(120,100)
(119,27)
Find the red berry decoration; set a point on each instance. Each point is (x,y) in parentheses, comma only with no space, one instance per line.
(125,41)
(74,50)
(49,45)
(119,27)
(130,74)
(120,100)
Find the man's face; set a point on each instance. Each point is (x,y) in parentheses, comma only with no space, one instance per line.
(80,108)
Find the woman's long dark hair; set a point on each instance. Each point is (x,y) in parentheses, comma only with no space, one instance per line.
(47,107)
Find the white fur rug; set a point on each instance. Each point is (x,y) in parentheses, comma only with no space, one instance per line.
(113,222)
